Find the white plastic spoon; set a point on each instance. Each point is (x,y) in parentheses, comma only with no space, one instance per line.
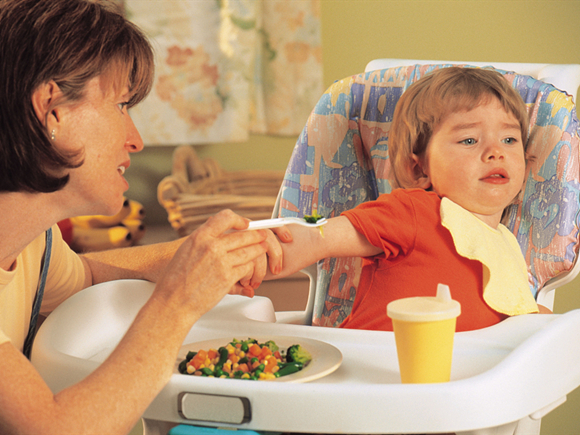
(278,222)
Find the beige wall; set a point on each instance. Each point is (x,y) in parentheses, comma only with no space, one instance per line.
(356,31)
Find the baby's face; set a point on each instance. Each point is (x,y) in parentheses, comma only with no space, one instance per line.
(476,159)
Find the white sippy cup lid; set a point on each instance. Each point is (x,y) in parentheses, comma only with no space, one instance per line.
(424,308)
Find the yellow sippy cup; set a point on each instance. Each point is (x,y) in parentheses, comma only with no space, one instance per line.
(424,329)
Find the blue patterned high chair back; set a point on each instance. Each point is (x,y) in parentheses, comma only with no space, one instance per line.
(341,160)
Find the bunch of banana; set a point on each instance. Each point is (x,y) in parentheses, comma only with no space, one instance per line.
(97,233)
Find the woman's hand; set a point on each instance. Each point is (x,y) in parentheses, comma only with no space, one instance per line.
(272,259)
(211,261)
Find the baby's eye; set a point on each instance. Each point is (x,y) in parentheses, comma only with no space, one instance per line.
(510,140)
(469,141)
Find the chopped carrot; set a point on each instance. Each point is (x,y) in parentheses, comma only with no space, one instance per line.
(270,365)
(265,352)
(255,349)
(201,359)
(202,354)
(197,362)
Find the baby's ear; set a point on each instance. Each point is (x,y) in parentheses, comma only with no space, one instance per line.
(421,179)
(530,158)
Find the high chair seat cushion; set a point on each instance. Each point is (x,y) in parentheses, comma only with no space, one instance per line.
(341,160)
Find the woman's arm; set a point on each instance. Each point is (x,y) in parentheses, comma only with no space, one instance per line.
(339,239)
(138,262)
(114,396)
(149,262)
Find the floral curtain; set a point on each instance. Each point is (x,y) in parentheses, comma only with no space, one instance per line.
(228,68)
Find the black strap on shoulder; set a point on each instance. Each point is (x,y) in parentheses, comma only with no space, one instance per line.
(39,294)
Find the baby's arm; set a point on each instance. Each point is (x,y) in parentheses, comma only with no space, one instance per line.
(340,239)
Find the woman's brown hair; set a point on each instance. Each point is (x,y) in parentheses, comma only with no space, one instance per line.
(428,101)
(69,42)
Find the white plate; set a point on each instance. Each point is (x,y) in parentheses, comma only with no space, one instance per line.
(325,357)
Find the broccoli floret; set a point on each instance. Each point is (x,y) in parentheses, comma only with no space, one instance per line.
(297,353)
(248,341)
(245,343)
(271,345)
(312,219)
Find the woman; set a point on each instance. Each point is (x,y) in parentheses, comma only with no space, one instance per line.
(70,70)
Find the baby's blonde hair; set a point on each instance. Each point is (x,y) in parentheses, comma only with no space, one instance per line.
(429,100)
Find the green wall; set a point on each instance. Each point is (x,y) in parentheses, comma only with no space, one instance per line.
(357,31)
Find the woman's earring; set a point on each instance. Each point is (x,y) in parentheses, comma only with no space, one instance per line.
(52,134)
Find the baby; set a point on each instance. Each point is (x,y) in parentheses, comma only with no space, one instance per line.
(457,149)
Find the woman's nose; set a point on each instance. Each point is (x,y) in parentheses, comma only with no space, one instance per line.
(133,143)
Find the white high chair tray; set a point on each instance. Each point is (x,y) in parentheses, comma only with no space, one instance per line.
(494,374)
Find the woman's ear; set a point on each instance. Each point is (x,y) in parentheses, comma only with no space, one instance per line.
(43,99)
(422,180)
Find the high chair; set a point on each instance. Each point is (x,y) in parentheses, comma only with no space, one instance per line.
(341,160)
(504,378)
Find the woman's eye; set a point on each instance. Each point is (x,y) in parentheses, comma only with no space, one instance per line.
(469,141)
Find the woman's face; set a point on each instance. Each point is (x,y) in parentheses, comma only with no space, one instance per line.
(100,127)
